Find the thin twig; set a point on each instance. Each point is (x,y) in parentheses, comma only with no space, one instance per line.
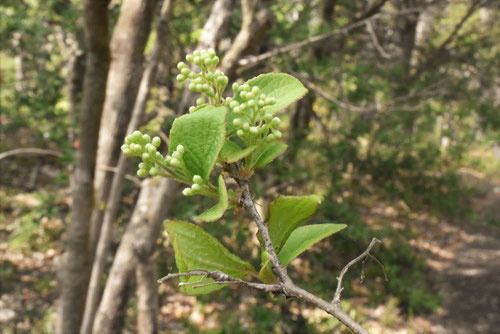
(373,36)
(366,253)
(129,177)
(30,151)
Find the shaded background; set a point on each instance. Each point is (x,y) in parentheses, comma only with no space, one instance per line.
(399,133)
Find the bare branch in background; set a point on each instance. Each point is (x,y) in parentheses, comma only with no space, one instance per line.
(30,151)
(373,36)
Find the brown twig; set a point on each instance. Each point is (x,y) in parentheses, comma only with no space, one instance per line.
(30,151)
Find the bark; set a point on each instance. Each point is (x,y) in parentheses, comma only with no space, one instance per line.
(127,52)
(407,27)
(139,241)
(113,205)
(74,270)
(254,24)
(147,296)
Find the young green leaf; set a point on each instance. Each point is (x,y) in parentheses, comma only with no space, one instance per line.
(196,249)
(218,209)
(300,240)
(288,212)
(285,88)
(267,152)
(232,152)
(202,135)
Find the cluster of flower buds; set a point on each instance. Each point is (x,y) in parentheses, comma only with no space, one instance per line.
(153,162)
(195,188)
(253,121)
(209,81)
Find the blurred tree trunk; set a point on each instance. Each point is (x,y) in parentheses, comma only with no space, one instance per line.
(74,269)
(127,56)
(115,195)
(138,244)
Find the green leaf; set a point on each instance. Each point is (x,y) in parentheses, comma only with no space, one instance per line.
(267,153)
(300,240)
(284,87)
(202,134)
(232,152)
(288,212)
(218,209)
(196,249)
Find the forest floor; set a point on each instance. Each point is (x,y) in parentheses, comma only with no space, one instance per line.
(464,255)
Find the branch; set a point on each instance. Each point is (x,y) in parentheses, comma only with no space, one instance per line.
(248,62)
(363,256)
(373,36)
(30,151)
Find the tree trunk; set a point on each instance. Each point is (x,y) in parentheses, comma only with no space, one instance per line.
(147,296)
(113,205)
(127,56)
(139,241)
(74,269)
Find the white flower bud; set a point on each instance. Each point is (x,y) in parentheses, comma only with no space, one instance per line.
(142,173)
(175,162)
(240,133)
(200,101)
(190,58)
(181,65)
(251,103)
(180,148)
(197,179)
(234,104)
(237,122)
(276,121)
(156,141)
(246,126)
(254,130)
(176,155)
(196,187)
(187,192)
(278,134)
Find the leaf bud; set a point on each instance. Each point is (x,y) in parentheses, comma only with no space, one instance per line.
(197,179)
(156,141)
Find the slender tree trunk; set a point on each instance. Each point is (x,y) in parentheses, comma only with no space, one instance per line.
(74,268)
(147,296)
(113,205)
(127,56)
(139,240)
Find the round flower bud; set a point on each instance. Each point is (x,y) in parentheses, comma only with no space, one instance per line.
(191,109)
(245,87)
(136,148)
(136,135)
(176,155)
(192,87)
(187,192)
(192,75)
(175,162)
(237,110)
(205,87)
(270,137)
(154,171)
(197,179)
(196,53)
(254,129)
(276,121)
(215,60)
(190,58)
(150,148)
(251,103)
(142,165)
(278,134)
(199,87)
(207,61)
(142,173)
(145,157)
(180,148)
(181,65)
(127,151)
(200,101)
(255,89)
(211,52)
(243,94)
(156,141)
(234,104)
(197,60)
(261,103)
(246,126)
(262,96)
(146,138)
(196,187)
(185,71)
(243,106)
(210,76)
(237,122)
(168,159)
(240,133)
(235,87)
(159,156)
